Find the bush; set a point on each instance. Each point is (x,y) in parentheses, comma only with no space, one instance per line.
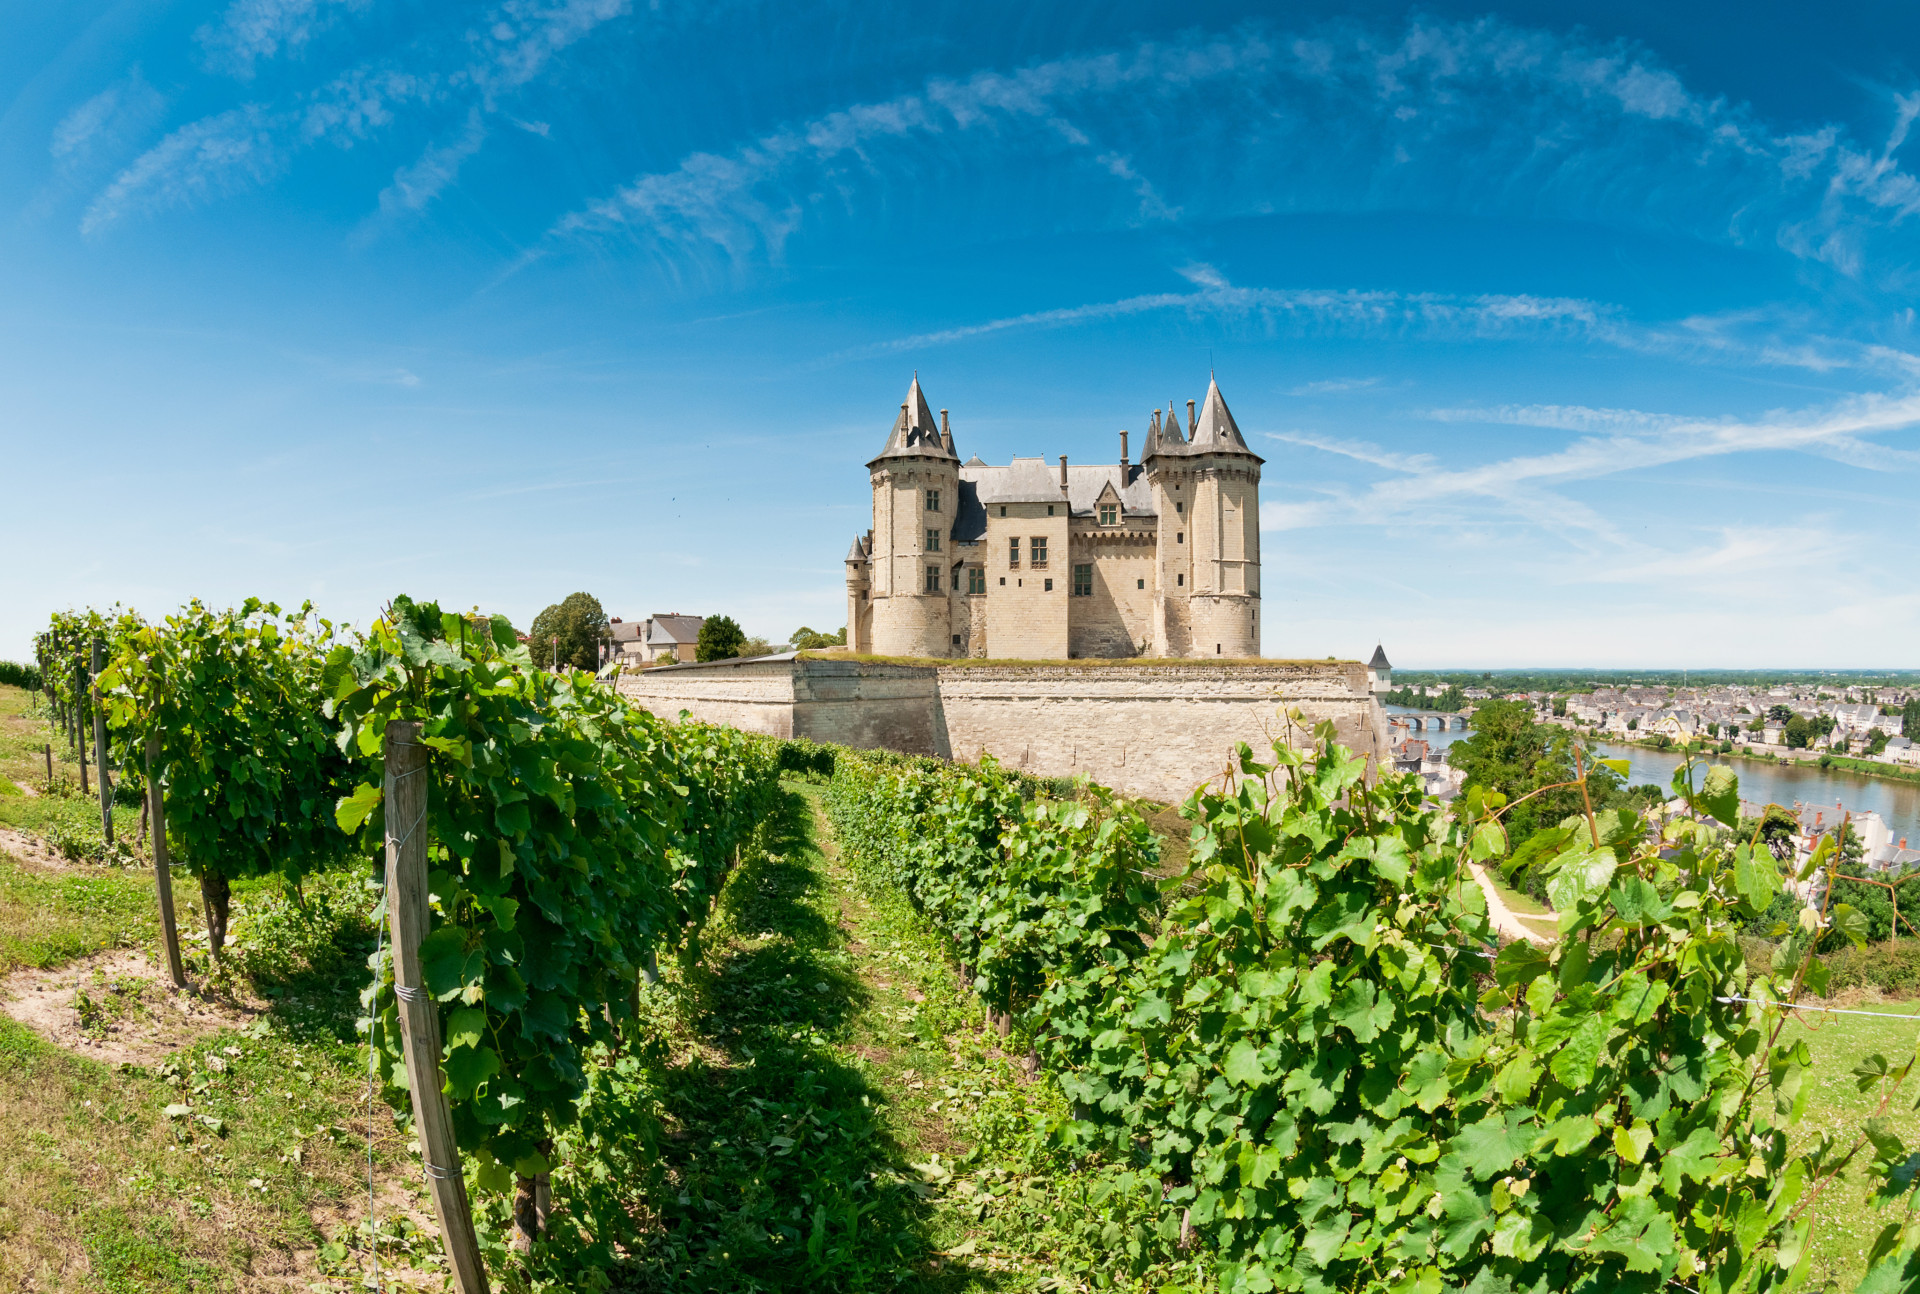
(14,674)
(803,758)
(1890,967)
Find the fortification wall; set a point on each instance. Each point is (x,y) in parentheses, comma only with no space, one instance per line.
(1154,730)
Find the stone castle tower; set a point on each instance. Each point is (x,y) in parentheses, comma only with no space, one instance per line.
(1155,558)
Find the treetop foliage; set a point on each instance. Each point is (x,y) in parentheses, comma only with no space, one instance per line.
(721,638)
(576,627)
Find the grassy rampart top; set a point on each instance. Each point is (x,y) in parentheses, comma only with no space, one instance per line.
(1129,662)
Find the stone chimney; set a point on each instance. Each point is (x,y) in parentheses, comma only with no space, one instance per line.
(1063,473)
(1123,454)
(1193,423)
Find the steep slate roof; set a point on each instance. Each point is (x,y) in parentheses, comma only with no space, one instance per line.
(1031,480)
(1379,660)
(675,630)
(915,433)
(1214,432)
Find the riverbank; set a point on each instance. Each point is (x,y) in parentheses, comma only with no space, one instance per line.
(1783,759)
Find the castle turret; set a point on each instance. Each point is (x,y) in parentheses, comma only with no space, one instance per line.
(916,496)
(1207,491)
(1379,672)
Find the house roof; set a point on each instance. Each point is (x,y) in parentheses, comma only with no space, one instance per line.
(673,630)
(915,434)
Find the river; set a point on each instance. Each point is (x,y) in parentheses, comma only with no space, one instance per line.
(1897,802)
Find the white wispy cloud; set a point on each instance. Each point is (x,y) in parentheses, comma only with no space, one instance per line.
(479,67)
(1334,386)
(1523,486)
(1361,311)
(416,185)
(1479,116)
(251,31)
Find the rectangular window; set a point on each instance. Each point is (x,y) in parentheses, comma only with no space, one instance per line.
(1109,514)
(1180,538)
(1181,580)
(1179,506)
(1037,547)
(933,579)
(976,580)
(1013,553)
(1003,509)
(1049,509)
(933,500)
(933,540)
(1139,584)
(1083,580)
(1049,587)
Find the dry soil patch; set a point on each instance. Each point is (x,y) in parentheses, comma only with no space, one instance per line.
(32,851)
(127,1014)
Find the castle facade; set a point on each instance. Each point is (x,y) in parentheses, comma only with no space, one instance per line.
(1029,561)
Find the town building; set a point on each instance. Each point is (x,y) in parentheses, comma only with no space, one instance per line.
(1155,558)
(646,642)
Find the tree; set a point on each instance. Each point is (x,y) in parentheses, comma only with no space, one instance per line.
(1798,733)
(720,639)
(1779,713)
(1910,719)
(805,639)
(1559,707)
(1876,740)
(569,633)
(1511,753)
(1713,730)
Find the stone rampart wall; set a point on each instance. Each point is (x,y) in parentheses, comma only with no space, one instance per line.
(1152,730)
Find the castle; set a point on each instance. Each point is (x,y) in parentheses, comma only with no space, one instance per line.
(1155,558)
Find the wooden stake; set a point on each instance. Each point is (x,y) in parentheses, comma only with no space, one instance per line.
(163,878)
(49,768)
(100,748)
(408,916)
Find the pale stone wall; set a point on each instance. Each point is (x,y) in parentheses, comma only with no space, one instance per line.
(1118,618)
(1156,731)
(1025,619)
(1147,730)
(754,696)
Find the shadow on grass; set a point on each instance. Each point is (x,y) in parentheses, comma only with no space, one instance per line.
(764,1162)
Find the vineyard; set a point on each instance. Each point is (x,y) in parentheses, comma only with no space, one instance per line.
(653,1005)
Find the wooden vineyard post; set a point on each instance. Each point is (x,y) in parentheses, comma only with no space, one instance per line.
(407,916)
(162,876)
(79,711)
(100,750)
(49,768)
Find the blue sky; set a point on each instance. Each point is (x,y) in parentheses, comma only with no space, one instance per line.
(1570,334)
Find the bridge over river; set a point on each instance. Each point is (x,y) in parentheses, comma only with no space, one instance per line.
(1427,720)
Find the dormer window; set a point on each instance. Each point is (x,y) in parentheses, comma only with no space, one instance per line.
(1109,514)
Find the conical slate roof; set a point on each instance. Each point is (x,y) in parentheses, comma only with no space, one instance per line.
(1214,432)
(1379,660)
(858,553)
(915,434)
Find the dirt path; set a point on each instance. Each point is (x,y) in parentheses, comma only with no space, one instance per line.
(1505,919)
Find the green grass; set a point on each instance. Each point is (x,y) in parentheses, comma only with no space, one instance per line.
(49,918)
(1847,1221)
(1126,662)
(819,1106)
